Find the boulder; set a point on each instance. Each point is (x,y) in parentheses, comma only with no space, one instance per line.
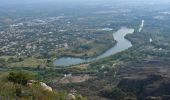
(46,87)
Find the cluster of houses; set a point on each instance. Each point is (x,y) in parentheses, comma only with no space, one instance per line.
(39,35)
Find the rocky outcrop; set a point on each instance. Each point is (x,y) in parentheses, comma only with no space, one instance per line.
(46,87)
(43,85)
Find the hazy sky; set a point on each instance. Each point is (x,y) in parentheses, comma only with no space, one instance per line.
(35,1)
(6,2)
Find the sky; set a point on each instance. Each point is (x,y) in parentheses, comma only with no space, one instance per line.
(9,2)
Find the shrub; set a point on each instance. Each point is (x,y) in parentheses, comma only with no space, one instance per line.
(19,77)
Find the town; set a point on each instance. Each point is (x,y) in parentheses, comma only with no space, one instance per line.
(45,36)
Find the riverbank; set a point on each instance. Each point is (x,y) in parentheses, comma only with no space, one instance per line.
(103,50)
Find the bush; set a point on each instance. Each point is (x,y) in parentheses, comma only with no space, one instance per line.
(19,77)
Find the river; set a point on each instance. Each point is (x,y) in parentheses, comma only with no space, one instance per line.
(121,45)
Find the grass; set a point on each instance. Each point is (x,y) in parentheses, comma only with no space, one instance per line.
(7,57)
(29,62)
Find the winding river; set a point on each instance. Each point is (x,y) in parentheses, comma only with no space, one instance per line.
(121,45)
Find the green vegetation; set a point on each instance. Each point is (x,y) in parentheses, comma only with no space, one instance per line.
(114,93)
(29,62)
(32,37)
(19,77)
(14,86)
(26,62)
